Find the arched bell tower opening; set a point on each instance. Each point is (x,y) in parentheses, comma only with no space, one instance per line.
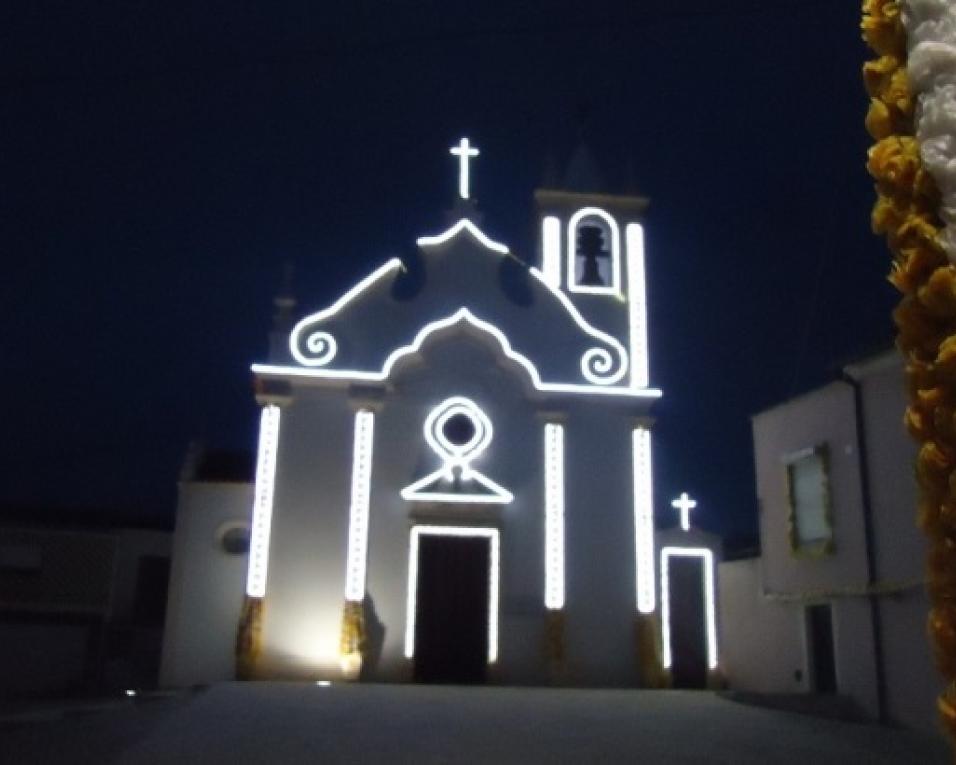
(593,253)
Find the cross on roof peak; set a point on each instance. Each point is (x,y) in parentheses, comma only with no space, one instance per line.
(684,504)
(464,151)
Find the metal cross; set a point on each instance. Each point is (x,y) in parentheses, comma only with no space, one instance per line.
(464,151)
(685,504)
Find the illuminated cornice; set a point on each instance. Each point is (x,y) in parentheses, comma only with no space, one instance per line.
(466,316)
(463,225)
(322,343)
(603,366)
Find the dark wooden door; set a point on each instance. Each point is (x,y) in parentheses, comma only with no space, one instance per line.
(820,625)
(688,625)
(451,622)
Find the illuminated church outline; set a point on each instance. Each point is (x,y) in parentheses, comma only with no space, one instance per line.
(471,412)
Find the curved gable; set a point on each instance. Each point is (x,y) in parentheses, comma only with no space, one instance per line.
(463,277)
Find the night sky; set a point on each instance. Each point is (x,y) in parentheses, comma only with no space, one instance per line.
(161,163)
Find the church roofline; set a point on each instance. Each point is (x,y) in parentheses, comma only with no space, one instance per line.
(459,316)
(463,225)
(393,264)
(322,377)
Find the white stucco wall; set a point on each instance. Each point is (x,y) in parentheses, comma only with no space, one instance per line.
(461,366)
(911,679)
(601,605)
(306,574)
(460,317)
(306,582)
(762,648)
(828,416)
(823,417)
(206,585)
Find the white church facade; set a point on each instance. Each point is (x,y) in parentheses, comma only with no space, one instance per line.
(454,475)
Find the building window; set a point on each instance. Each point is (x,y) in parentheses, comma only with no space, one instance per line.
(808,487)
(594,252)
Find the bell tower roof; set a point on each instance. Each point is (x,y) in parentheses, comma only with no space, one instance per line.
(582,173)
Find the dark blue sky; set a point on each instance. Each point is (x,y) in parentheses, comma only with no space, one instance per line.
(159,165)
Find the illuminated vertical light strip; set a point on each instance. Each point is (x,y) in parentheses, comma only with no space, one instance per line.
(411,596)
(554,516)
(637,305)
(551,251)
(494,576)
(358,509)
(643,518)
(262,504)
(709,597)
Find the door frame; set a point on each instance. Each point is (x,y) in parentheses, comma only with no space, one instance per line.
(811,655)
(494,577)
(710,611)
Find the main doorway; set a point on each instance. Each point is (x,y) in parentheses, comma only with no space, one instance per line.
(688,637)
(452,630)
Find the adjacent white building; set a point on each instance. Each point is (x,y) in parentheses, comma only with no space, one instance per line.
(836,602)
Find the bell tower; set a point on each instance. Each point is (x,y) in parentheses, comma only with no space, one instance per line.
(591,247)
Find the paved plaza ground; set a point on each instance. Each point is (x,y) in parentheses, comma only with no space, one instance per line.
(280,723)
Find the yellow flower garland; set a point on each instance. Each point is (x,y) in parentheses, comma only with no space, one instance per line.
(906,212)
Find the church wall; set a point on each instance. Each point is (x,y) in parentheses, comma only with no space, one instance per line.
(206,585)
(310,518)
(513,459)
(305,590)
(306,579)
(600,563)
